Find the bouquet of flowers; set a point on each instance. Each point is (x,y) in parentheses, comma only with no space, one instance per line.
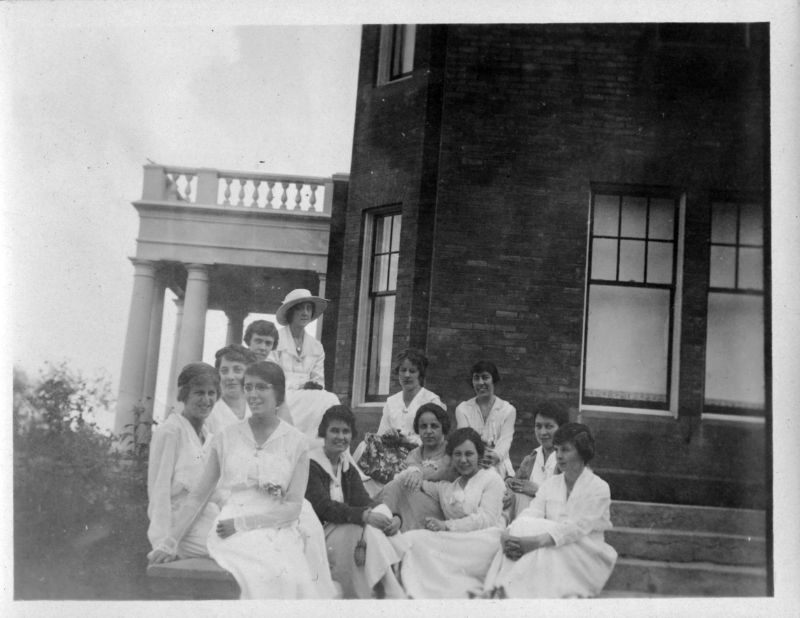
(384,456)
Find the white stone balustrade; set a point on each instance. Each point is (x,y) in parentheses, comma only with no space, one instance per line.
(245,190)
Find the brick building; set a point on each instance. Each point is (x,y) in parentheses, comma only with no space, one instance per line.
(585,205)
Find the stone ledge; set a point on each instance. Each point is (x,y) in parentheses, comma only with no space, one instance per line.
(194,578)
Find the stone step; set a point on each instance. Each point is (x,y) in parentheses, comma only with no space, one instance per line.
(647,515)
(688,546)
(697,579)
(193,578)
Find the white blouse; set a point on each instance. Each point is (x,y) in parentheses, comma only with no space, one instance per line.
(222,415)
(176,463)
(477,506)
(540,470)
(308,366)
(498,429)
(398,416)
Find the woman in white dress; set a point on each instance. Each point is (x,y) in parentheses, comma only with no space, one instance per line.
(349,514)
(302,359)
(428,462)
(381,454)
(449,558)
(490,416)
(178,453)
(540,465)
(263,462)
(555,548)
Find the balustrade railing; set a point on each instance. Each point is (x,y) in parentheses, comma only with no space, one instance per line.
(246,190)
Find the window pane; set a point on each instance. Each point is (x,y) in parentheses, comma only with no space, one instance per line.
(408,48)
(735,351)
(604,259)
(380,347)
(393,259)
(631,260)
(723,223)
(627,343)
(383,234)
(662,219)
(634,216)
(751,269)
(659,262)
(606,215)
(380,273)
(751,231)
(723,267)
(396,233)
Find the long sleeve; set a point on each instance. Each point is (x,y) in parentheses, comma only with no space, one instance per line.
(461,417)
(385,425)
(326,508)
(195,503)
(289,510)
(318,368)
(160,467)
(588,514)
(503,444)
(489,511)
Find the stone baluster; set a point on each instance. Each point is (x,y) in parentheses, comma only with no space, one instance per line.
(172,187)
(284,195)
(256,184)
(227,201)
(242,183)
(312,200)
(188,191)
(270,195)
(299,197)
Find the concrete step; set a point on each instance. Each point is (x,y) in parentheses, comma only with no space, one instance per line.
(688,546)
(193,578)
(647,515)
(698,579)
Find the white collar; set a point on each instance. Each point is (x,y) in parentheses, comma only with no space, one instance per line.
(318,455)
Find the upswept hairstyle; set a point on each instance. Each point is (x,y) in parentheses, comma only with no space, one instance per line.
(460,436)
(441,416)
(235,353)
(337,413)
(579,435)
(193,373)
(417,358)
(290,311)
(260,327)
(271,373)
(484,366)
(555,410)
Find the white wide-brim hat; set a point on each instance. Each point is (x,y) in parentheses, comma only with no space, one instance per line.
(295,297)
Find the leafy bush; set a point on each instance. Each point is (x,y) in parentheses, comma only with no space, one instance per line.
(75,489)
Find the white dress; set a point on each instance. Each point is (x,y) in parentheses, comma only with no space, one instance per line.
(177,460)
(450,564)
(497,431)
(305,407)
(532,468)
(266,485)
(222,415)
(396,415)
(581,561)
(309,525)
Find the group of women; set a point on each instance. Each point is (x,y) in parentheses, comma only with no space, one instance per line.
(272,493)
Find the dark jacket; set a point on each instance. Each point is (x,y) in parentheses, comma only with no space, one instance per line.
(356,498)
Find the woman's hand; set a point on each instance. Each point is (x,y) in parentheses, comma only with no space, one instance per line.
(516,547)
(412,479)
(379,521)
(489,459)
(226,528)
(508,498)
(520,486)
(158,556)
(436,525)
(391,433)
(394,527)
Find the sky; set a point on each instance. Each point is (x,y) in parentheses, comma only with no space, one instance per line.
(93,105)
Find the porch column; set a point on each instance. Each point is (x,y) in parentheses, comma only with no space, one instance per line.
(321,294)
(153,347)
(195,305)
(172,386)
(235,326)
(131,381)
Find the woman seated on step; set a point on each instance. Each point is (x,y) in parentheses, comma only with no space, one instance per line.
(428,462)
(449,558)
(555,548)
(263,462)
(350,516)
(540,465)
(382,455)
(178,453)
(492,417)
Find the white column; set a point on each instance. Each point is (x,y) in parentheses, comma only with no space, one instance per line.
(195,305)
(321,294)
(131,380)
(153,346)
(235,326)
(172,386)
